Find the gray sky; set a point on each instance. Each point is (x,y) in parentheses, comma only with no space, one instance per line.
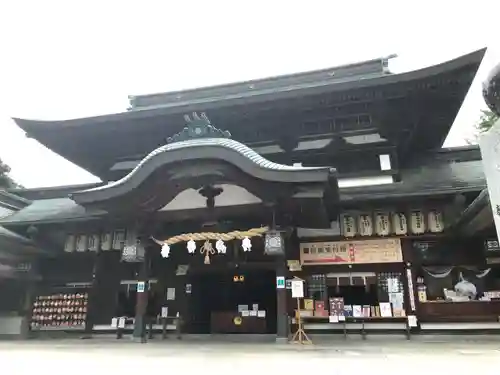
(60,60)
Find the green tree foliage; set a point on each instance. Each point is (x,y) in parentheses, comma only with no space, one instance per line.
(6,181)
(486,121)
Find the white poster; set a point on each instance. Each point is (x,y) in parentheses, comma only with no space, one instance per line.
(412,321)
(297,289)
(164,312)
(490,151)
(170,294)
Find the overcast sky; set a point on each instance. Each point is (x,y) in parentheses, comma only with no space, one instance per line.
(59,60)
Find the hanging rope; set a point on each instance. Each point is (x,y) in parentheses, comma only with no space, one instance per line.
(206,236)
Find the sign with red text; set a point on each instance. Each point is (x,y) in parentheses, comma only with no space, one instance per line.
(351,252)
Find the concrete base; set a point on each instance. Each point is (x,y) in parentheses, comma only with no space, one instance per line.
(139,340)
(281,340)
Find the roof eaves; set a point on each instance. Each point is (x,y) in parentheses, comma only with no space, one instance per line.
(12,201)
(481,202)
(284,92)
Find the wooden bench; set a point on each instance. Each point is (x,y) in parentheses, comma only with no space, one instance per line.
(362,321)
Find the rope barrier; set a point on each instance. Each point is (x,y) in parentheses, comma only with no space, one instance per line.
(208,236)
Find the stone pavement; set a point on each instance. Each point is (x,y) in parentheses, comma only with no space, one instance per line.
(374,356)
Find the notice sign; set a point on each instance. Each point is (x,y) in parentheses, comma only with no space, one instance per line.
(280,282)
(141,287)
(297,289)
(386,250)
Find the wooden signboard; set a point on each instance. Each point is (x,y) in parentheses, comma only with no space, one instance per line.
(351,252)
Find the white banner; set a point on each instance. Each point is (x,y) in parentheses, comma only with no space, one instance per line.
(490,151)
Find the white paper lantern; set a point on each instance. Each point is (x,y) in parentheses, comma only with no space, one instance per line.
(349,226)
(165,250)
(399,223)
(246,244)
(365,225)
(417,222)
(191,246)
(382,227)
(221,247)
(435,220)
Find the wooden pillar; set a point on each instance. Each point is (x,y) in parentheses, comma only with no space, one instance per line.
(142,300)
(184,299)
(32,284)
(93,300)
(282,321)
(29,298)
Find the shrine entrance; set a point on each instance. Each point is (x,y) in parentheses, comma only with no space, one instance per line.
(238,301)
(205,160)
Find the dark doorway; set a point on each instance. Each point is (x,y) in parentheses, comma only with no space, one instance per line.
(219,294)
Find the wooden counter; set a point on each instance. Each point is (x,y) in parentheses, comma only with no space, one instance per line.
(471,311)
(224,322)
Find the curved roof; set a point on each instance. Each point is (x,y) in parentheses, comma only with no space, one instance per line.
(221,149)
(140,129)
(326,84)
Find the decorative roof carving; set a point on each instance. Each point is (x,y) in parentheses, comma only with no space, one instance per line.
(491,90)
(198,126)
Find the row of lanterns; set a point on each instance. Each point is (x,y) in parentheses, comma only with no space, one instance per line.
(384,224)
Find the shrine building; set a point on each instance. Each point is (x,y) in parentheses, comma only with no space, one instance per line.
(212,200)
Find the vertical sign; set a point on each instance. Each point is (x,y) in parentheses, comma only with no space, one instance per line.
(297,289)
(490,151)
(411,293)
(280,282)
